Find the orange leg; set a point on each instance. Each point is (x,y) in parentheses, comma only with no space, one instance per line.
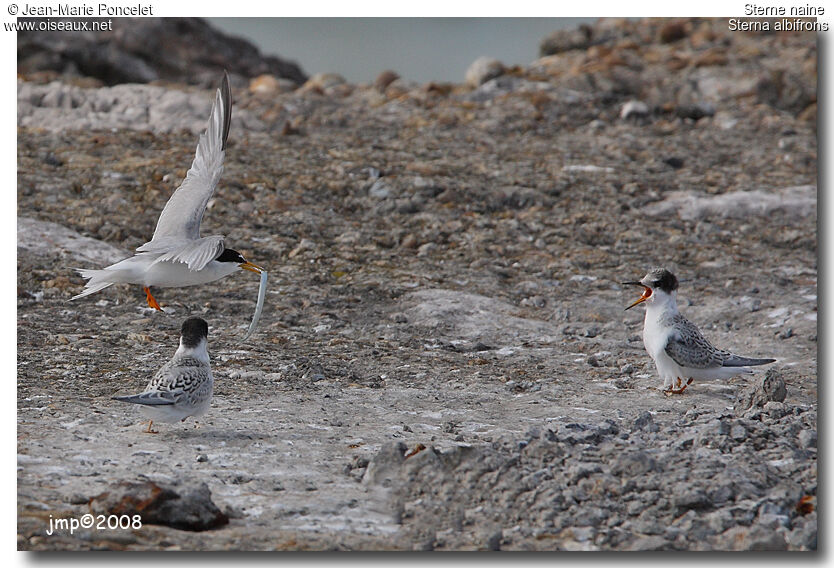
(151,430)
(681,386)
(151,300)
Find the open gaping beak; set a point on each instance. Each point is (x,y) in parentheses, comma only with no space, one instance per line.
(251,267)
(647,292)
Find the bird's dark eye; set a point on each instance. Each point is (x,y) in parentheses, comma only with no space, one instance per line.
(656,283)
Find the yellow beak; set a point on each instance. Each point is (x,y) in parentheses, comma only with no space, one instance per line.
(647,292)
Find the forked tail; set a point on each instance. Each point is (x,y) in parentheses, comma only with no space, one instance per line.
(95,281)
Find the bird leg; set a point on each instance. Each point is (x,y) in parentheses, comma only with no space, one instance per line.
(150,430)
(152,303)
(196,424)
(680,386)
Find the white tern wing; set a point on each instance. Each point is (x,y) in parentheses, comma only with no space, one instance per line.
(184,211)
(196,254)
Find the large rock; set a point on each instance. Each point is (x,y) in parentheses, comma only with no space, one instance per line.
(194,53)
(181,506)
(770,389)
(42,237)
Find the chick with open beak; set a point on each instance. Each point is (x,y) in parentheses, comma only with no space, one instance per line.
(679,350)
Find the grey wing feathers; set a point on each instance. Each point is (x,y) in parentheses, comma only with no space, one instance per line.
(177,380)
(738,361)
(179,376)
(183,213)
(226,96)
(689,348)
(153,398)
(196,254)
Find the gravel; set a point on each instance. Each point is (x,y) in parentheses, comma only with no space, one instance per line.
(443,360)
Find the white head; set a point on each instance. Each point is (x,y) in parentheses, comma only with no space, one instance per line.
(659,288)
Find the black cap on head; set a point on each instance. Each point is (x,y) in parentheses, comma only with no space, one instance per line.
(193,331)
(230,255)
(661,279)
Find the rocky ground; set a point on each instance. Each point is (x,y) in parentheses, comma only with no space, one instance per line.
(444,361)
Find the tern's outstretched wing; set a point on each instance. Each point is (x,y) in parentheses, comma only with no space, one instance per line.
(689,348)
(184,211)
(196,254)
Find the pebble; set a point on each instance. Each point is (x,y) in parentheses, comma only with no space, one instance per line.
(807,438)
(673,31)
(738,433)
(592,331)
(633,109)
(776,410)
(695,111)
(579,38)
(482,70)
(323,82)
(380,189)
(52,160)
(269,85)
(384,79)
(78,499)
(643,420)
(674,161)
(409,241)
(303,245)
(426,249)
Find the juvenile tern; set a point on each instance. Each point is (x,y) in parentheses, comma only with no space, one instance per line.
(679,350)
(183,386)
(176,255)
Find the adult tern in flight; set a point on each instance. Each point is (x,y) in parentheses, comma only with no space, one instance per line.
(177,255)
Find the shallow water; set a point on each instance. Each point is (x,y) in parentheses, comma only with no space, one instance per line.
(418,49)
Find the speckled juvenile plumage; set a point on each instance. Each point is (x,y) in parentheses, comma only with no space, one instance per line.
(182,380)
(680,351)
(183,386)
(689,348)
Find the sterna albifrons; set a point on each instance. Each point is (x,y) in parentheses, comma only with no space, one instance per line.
(177,256)
(679,350)
(183,386)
